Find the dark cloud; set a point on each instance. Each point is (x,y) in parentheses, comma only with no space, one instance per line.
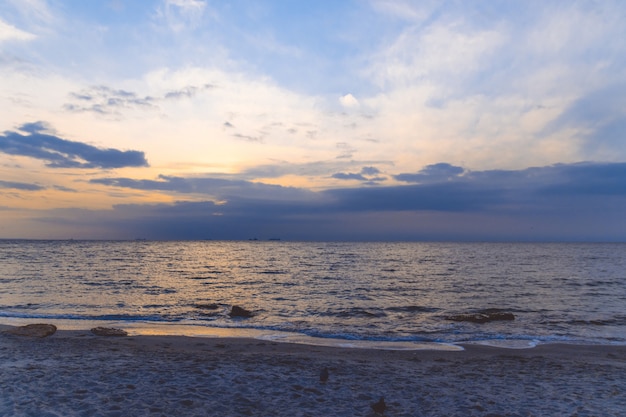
(313,169)
(348,176)
(65,189)
(370,171)
(474,190)
(186,220)
(109,101)
(105,100)
(248,138)
(21,186)
(186,92)
(36,127)
(432,173)
(40,142)
(583,201)
(219,188)
(367,175)
(587,179)
(442,197)
(170,183)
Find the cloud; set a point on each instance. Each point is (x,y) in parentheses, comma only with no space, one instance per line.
(369,174)
(105,100)
(109,101)
(218,188)
(474,190)
(65,189)
(598,116)
(440,197)
(403,9)
(523,65)
(348,176)
(186,92)
(489,89)
(556,189)
(431,55)
(349,101)
(585,179)
(9,32)
(584,201)
(370,171)
(310,169)
(34,11)
(40,142)
(494,189)
(21,186)
(248,138)
(432,173)
(181,15)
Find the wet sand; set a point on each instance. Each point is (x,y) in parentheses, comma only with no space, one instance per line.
(78,373)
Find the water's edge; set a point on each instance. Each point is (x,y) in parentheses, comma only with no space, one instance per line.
(175,329)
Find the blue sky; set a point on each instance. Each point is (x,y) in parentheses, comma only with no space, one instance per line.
(342,120)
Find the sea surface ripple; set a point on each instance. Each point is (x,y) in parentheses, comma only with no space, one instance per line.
(564,292)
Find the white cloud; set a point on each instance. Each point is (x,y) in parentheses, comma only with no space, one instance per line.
(440,53)
(349,101)
(11,33)
(181,14)
(449,89)
(35,11)
(405,10)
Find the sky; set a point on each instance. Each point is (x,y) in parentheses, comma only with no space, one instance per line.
(470,120)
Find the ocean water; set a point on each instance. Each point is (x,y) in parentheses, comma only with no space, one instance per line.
(391,292)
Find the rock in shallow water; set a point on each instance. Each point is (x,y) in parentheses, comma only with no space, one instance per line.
(107,331)
(237,311)
(34,330)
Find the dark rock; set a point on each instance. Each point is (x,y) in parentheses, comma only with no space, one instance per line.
(107,331)
(501,316)
(34,330)
(482,317)
(237,311)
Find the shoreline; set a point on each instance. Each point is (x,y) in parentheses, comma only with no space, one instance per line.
(192,330)
(74,372)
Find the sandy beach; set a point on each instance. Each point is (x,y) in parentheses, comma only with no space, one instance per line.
(74,372)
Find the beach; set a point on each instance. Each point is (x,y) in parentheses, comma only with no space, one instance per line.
(74,372)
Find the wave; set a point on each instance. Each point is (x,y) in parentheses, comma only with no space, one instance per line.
(355,312)
(101,317)
(413,309)
(613,321)
(513,340)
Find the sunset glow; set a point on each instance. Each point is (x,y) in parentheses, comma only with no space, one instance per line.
(373,120)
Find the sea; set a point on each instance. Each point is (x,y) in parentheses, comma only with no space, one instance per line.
(336,292)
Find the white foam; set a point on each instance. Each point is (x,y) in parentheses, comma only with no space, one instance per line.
(506,343)
(284,337)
